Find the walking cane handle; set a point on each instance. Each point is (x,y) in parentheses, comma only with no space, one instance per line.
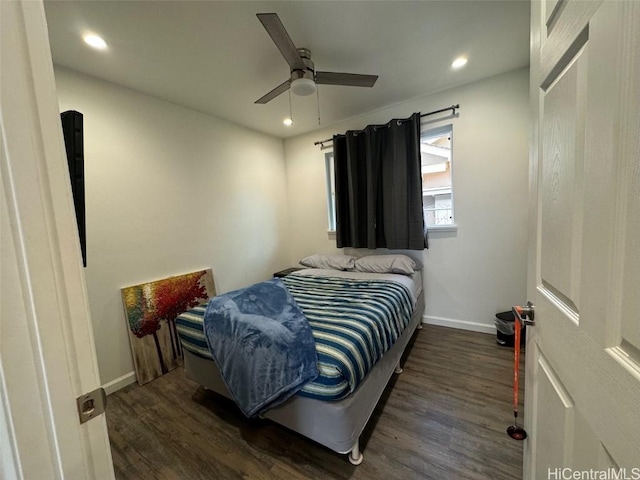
(525,315)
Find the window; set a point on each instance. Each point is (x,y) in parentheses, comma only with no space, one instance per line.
(437,193)
(331,190)
(437,190)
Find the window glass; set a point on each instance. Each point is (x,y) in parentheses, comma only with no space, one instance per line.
(437,189)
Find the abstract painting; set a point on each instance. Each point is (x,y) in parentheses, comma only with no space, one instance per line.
(151,309)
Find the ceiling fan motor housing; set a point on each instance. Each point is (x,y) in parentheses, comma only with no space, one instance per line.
(303,82)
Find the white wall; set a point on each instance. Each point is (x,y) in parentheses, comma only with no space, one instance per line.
(481,269)
(169,191)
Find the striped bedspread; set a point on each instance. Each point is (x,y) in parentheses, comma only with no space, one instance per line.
(354,323)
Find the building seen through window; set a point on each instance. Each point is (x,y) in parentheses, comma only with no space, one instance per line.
(437,193)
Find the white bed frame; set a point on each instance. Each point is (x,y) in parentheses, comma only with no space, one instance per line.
(334,424)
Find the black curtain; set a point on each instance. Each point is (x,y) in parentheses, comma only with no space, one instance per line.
(379,187)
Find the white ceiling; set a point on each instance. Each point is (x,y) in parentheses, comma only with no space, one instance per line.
(215,56)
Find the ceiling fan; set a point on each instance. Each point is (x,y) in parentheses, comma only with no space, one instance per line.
(304,78)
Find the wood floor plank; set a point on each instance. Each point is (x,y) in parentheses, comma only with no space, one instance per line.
(445,417)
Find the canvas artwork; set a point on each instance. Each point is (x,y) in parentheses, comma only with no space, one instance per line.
(151,309)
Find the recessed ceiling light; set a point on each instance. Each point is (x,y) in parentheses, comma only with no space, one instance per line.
(288,122)
(459,62)
(94,41)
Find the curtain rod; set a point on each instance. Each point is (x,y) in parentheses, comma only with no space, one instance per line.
(453,109)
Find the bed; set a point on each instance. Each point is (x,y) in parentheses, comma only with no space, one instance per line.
(332,413)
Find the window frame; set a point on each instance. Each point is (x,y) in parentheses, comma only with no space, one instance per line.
(329,168)
(425,132)
(429,132)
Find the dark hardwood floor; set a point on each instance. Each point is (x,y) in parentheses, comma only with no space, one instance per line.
(445,417)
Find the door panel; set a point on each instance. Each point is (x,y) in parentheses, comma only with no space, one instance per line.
(582,407)
(552,9)
(561,195)
(628,214)
(591,453)
(557,420)
(565,38)
(630,193)
(601,183)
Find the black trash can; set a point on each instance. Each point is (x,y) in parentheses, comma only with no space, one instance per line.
(505,330)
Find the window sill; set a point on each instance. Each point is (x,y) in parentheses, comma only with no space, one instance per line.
(443,228)
(331,234)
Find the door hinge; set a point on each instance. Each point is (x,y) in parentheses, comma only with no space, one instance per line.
(91,404)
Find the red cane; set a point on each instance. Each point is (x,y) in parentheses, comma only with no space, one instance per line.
(514,431)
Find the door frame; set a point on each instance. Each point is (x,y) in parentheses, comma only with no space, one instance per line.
(533,251)
(47,349)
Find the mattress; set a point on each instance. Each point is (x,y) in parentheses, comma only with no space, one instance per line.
(412,282)
(336,425)
(355,319)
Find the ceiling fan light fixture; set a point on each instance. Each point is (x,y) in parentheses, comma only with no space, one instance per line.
(303,87)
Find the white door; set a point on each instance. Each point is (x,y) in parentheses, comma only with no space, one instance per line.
(582,405)
(47,355)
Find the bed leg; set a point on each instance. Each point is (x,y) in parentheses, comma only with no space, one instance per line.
(355,456)
(398,369)
(419,327)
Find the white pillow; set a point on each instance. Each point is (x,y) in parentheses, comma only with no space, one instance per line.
(386,264)
(333,262)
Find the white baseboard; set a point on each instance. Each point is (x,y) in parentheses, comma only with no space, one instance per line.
(118,383)
(460,324)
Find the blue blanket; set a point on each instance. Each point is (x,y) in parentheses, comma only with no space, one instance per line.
(262,344)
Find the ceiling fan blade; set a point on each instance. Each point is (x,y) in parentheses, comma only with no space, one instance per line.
(283,87)
(348,79)
(281,38)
